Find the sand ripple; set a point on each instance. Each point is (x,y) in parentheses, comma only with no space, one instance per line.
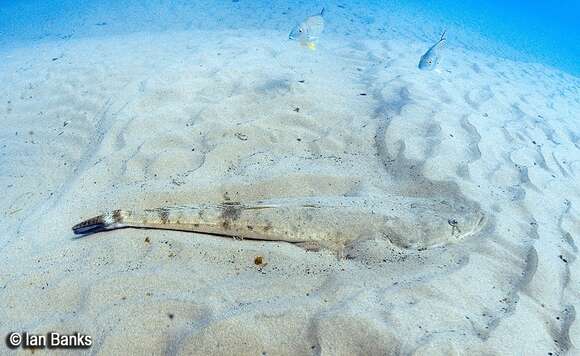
(147,121)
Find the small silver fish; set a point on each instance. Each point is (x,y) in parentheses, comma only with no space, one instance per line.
(431,58)
(308,31)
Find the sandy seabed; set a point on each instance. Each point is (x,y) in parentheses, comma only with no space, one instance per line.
(181,118)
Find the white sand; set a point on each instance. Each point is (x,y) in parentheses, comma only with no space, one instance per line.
(148,121)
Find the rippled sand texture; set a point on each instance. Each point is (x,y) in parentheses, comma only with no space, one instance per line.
(144,122)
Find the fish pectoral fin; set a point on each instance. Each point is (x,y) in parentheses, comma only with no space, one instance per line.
(313,246)
(338,248)
(259,207)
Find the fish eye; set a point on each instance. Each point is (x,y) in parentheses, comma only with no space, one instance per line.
(300,30)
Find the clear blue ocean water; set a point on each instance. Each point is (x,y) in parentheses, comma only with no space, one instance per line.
(536,31)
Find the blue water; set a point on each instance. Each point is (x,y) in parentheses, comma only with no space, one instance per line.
(545,31)
(537,31)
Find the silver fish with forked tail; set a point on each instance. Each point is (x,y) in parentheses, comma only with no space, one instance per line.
(432,57)
(332,223)
(308,31)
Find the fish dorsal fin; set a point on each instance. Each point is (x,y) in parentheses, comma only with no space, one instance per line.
(322,12)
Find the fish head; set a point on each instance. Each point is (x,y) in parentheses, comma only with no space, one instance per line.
(428,61)
(297,32)
(438,222)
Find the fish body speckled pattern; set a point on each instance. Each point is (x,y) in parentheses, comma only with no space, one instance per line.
(331,223)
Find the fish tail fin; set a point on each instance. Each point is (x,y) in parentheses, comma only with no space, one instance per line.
(443,35)
(109,221)
(322,11)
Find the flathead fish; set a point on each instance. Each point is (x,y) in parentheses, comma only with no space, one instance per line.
(311,223)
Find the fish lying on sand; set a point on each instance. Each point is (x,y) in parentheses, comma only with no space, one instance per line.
(431,58)
(308,31)
(332,223)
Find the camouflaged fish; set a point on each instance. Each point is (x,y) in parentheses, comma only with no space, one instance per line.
(432,57)
(308,31)
(311,223)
